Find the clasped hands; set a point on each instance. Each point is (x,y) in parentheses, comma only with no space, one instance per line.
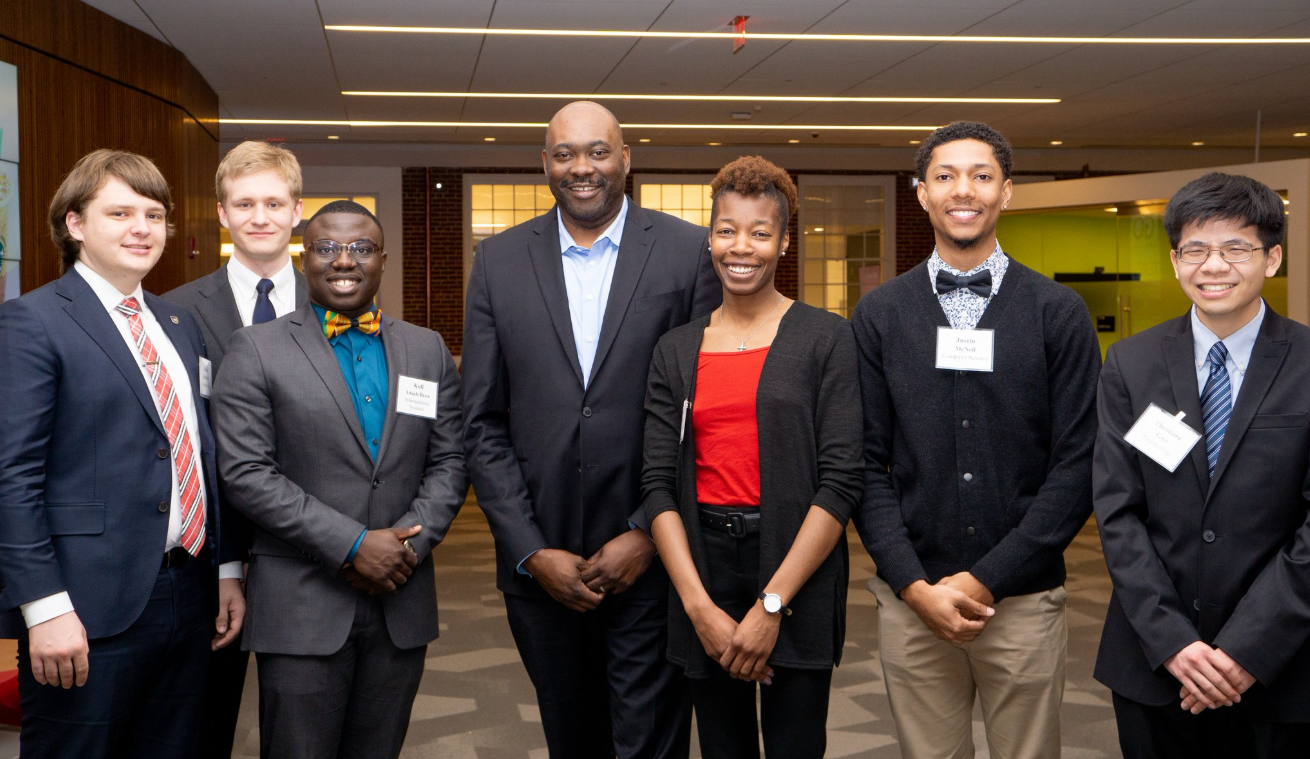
(741,649)
(1210,677)
(382,562)
(955,609)
(581,584)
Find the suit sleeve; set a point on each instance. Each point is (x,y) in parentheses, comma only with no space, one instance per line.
(1272,621)
(1064,501)
(445,481)
(1141,584)
(661,445)
(252,479)
(497,478)
(29,386)
(709,290)
(878,515)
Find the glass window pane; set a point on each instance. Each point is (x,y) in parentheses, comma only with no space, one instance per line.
(814,295)
(814,272)
(836,296)
(670,197)
(836,271)
(524,214)
(502,219)
(544,199)
(523,197)
(691,196)
(706,198)
(502,196)
(650,196)
(481,218)
(368,201)
(481,196)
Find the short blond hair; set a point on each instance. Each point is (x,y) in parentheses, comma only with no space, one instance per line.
(87,178)
(253,156)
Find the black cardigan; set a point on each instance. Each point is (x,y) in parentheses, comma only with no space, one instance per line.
(809,423)
(989,472)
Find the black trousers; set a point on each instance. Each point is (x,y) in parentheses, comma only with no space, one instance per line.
(1168,732)
(603,685)
(353,704)
(144,687)
(227,680)
(793,709)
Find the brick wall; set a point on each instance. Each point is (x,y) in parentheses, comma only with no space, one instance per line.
(434,240)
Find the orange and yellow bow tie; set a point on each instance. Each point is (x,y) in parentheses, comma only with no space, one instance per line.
(369,323)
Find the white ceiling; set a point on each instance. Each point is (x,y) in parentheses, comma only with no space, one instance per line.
(273,59)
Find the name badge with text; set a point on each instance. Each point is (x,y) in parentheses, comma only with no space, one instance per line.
(418,397)
(206,377)
(966,350)
(1163,437)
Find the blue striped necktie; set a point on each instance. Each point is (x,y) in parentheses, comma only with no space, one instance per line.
(1216,404)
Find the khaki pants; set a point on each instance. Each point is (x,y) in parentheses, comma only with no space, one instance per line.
(1016,666)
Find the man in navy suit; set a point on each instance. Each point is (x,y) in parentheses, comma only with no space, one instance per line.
(108,497)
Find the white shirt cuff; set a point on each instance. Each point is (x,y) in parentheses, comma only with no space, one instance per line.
(46,609)
(230,570)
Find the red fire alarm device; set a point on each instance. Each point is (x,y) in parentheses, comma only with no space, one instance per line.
(739,29)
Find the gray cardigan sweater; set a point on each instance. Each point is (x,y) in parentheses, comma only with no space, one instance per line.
(810,433)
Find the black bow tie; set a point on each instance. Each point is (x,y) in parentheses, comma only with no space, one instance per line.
(979,284)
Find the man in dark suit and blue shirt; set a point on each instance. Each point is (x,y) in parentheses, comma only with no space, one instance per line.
(562,317)
(979,378)
(258,187)
(339,437)
(1202,492)
(109,507)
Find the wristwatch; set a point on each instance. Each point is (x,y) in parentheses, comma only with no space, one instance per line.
(773,604)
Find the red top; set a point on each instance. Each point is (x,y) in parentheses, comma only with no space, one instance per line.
(723,421)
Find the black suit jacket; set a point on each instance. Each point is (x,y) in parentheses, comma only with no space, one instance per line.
(1223,560)
(555,465)
(211,301)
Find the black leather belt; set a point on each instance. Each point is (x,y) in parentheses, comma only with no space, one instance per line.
(177,557)
(738,524)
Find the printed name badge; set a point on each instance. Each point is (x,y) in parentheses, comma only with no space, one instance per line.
(1165,438)
(206,377)
(966,350)
(418,397)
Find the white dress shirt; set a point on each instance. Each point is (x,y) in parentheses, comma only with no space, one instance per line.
(588,274)
(44,609)
(243,281)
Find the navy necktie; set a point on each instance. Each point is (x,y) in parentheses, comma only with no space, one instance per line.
(264,311)
(1216,404)
(979,283)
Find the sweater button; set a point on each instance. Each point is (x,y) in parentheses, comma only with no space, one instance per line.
(968,477)
(1208,536)
(965,424)
(969,531)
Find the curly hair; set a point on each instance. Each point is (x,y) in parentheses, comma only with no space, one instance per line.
(964,130)
(754,175)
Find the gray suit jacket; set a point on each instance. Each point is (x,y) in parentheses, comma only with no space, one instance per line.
(210,300)
(292,456)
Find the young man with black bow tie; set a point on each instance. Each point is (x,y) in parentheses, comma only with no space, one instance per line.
(979,380)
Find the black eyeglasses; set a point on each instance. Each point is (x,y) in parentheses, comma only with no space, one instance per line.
(330,250)
(1235,253)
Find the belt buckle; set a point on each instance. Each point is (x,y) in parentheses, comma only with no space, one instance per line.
(737,524)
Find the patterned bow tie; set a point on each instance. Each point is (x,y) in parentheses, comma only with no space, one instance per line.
(369,323)
(979,284)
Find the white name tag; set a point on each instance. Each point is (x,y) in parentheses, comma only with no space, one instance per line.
(966,350)
(1164,438)
(418,397)
(206,377)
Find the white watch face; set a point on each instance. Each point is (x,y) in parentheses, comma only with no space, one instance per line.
(772,603)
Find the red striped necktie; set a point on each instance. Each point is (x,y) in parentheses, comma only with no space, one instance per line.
(179,438)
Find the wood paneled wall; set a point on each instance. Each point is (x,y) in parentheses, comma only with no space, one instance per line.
(88,81)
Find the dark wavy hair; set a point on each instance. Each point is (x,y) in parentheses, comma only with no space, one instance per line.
(1230,197)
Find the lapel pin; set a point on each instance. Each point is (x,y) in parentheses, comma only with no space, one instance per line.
(173,319)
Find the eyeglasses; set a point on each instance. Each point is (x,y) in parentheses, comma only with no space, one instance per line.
(1233,254)
(330,250)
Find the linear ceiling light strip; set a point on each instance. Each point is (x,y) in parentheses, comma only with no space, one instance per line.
(824,37)
(697,98)
(542,125)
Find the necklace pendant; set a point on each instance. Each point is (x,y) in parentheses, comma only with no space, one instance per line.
(742,347)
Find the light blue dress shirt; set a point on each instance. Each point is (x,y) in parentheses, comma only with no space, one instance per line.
(1239,345)
(588,274)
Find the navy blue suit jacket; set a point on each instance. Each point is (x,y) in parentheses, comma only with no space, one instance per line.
(85,475)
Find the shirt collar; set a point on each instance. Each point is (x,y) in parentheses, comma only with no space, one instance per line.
(614,232)
(1239,344)
(108,295)
(243,280)
(996,263)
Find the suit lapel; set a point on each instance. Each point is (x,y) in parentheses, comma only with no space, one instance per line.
(309,336)
(549,268)
(633,255)
(1180,361)
(219,308)
(397,364)
(302,288)
(165,313)
(89,313)
(1267,357)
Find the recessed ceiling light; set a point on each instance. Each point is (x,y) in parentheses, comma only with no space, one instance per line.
(1057,142)
(713,98)
(1112,209)
(714,144)
(644,139)
(638,33)
(818,229)
(488,139)
(1300,134)
(542,125)
(1197,144)
(915,142)
(793,141)
(333,137)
